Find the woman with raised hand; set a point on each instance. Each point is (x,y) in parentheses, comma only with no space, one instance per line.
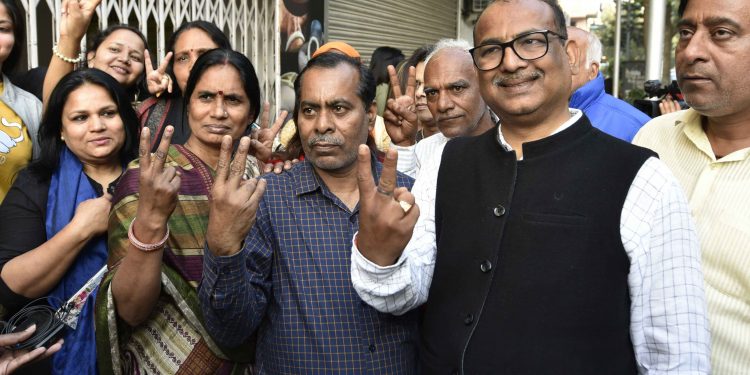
(118,50)
(53,237)
(20,111)
(167,82)
(148,314)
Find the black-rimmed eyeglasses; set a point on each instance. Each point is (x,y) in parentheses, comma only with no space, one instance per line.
(527,46)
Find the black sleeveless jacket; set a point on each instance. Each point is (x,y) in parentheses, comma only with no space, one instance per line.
(531,274)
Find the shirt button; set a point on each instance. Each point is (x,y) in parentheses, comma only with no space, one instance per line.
(499,210)
(469,319)
(372,348)
(485,266)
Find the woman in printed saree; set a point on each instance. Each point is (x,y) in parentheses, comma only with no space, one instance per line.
(148,315)
(53,236)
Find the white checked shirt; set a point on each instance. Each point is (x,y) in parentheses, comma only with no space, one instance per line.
(668,324)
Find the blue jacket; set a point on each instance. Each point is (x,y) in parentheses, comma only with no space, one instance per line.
(607,113)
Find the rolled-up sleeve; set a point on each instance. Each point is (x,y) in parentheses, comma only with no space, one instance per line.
(403,286)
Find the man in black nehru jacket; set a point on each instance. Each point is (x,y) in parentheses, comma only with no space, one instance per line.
(554,248)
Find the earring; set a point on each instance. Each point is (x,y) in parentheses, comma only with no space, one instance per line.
(62,138)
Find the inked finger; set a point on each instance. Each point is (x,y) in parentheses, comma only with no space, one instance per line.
(163,66)
(225,154)
(395,86)
(147,62)
(265,115)
(364,172)
(237,169)
(411,83)
(278,123)
(160,156)
(144,148)
(387,182)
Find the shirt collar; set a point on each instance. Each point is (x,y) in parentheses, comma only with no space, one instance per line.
(575,115)
(308,181)
(692,127)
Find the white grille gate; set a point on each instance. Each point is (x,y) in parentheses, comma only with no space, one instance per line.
(251,25)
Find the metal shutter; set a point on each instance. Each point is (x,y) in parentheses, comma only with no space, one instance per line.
(403,24)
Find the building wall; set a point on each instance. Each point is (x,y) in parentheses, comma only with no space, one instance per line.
(405,25)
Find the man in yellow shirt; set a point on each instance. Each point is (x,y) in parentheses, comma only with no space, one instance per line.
(708,149)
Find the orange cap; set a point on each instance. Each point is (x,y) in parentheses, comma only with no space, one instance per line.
(338,46)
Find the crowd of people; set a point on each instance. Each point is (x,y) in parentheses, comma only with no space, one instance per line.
(468,209)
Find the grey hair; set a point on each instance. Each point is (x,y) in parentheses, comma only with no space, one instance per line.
(594,51)
(448,43)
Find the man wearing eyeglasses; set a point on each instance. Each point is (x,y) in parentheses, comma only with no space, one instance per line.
(559,250)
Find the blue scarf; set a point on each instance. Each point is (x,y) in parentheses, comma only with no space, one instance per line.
(68,188)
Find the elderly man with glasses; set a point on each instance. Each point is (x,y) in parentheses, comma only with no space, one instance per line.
(554,248)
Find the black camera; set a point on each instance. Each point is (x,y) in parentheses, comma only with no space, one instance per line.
(654,88)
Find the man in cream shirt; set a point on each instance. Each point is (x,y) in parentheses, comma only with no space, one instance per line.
(708,149)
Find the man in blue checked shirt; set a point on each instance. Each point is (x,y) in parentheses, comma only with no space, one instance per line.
(290,281)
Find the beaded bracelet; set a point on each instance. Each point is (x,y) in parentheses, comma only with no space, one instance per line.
(65,58)
(144,246)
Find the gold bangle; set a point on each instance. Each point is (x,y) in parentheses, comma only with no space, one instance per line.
(65,58)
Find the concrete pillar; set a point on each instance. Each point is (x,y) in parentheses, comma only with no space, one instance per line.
(656,15)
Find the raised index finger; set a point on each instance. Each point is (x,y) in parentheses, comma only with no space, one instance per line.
(364,172)
(222,169)
(237,168)
(163,66)
(395,86)
(411,82)
(265,115)
(278,123)
(160,156)
(147,62)
(144,148)
(387,182)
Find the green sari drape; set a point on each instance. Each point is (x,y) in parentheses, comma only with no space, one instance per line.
(173,340)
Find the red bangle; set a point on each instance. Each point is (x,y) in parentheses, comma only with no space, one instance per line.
(144,246)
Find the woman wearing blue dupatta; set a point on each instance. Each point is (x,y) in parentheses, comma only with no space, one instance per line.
(53,240)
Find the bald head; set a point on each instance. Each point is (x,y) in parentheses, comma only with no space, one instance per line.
(452,90)
(589,54)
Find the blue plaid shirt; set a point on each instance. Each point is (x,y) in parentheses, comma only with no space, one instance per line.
(292,282)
